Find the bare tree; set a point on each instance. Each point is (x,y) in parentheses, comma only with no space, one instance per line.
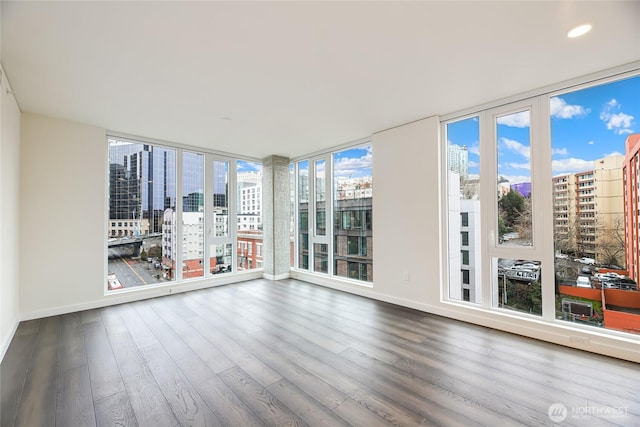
(610,240)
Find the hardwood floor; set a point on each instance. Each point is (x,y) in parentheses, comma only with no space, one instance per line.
(290,353)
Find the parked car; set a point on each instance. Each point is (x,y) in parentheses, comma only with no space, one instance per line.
(586,270)
(585,260)
(628,284)
(583,282)
(560,255)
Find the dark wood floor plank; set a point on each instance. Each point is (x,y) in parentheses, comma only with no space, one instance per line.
(210,354)
(329,329)
(258,370)
(377,403)
(72,348)
(186,403)
(228,407)
(269,409)
(304,406)
(115,411)
(172,342)
(103,368)
(74,405)
(148,403)
(13,373)
(357,415)
(37,405)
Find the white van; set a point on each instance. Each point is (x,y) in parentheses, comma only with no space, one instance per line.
(583,282)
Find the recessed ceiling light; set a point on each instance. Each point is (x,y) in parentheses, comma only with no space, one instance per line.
(579,31)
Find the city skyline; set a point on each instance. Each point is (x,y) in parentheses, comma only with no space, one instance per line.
(586,125)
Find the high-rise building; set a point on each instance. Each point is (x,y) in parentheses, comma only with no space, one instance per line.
(133,170)
(588,209)
(459,160)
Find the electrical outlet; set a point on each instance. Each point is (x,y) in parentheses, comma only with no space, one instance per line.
(405,276)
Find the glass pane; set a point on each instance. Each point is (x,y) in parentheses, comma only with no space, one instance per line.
(596,209)
(517,286)
(292,214)
(220,261)
(192,215)
(465,255)
(320,257)
(141,226)
(513,139)
(221,199)
(220,254)
(303,213)
(353,201)
(249,185)
(320,195)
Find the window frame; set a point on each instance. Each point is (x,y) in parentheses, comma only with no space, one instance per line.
(209,226)
(543,249)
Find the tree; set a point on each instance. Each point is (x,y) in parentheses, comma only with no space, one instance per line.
(511,206)
(610,240)
(143,255)
(523,220)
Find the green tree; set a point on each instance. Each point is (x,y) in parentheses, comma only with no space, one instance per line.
(511,207)
(143,255)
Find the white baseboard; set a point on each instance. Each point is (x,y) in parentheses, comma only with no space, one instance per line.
(6,341)
(276,276)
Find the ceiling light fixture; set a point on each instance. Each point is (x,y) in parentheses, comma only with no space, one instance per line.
(579,31)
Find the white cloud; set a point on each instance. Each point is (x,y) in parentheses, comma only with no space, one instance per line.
(353,166)
(516,179)
(571,165)
(514,165)
(474,148)
(562,110)
(615,119)
(473,164)
(517,120)
(516,147)
(559,151)
(590,143)
(613,153)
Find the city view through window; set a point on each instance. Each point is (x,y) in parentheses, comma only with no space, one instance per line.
(336,237)
(154,239)
(595,164)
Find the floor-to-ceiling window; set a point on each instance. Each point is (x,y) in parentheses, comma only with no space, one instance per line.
(334,213)
(249,214)
(595,141)
(176,214)
(551,230)
(141,227)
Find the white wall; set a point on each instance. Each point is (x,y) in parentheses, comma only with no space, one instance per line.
(9,213)
(62,180)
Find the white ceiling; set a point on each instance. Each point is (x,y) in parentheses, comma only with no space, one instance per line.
(294,77)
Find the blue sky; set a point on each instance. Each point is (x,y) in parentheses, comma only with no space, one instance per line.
(586,125)
(351,163)
(354,162)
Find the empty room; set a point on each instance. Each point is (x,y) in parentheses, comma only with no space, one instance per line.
(274,213)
